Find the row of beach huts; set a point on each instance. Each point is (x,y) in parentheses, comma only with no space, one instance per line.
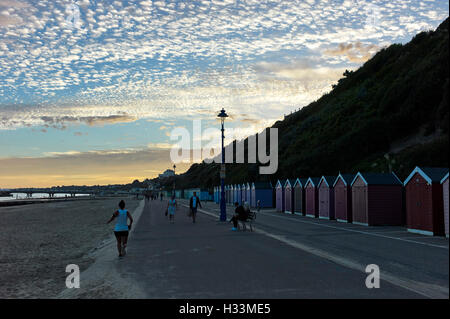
(420,202)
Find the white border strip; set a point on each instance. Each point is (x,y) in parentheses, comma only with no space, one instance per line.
(421,232)
(361,224)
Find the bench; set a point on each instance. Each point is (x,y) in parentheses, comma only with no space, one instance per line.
(249,221)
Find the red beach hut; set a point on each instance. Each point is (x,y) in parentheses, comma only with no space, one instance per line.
(312,197)
(326,197)
(377,199)
(343,198)
(444,183)
(289,196)
(299,196)
(424,201)
(279,195)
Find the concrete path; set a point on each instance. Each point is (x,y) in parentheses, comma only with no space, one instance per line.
(287,256)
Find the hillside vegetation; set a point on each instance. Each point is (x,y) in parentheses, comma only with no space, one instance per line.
(403,91)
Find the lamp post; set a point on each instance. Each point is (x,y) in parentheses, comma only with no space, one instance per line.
(223,207)
(174,176)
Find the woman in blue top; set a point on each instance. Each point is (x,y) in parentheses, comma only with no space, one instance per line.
(171,207)
(121,229)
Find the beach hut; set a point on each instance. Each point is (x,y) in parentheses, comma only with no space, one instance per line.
(238,194)
(244,192)
(424,201)
(202,193)
(279,195)
(343,198)
(207,194)
(312,197)
(326,197)
(217,194)
(377,199)
(220,193)
(299,196)
(444,183)
(248,196)
(289,196)
(227,194)
(218,190)
(262,192)
(179,193)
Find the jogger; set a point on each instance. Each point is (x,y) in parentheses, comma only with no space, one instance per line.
(121,229)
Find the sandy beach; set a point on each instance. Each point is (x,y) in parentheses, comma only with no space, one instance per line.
(38,241)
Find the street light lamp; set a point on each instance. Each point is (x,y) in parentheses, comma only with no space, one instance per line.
(223,208)
(174,176)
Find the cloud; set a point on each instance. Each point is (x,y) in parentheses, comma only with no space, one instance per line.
(58,122)
(159,145)
(9,20)
(355,52)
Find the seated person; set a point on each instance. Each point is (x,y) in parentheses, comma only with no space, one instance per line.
(240,213)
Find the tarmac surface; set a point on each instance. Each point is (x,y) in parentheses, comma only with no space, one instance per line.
(286,256)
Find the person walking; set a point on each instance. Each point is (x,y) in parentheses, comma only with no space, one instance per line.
(171,208)
(194,203)
(121,229)
(258,206)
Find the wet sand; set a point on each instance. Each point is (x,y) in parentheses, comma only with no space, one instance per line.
(38,241)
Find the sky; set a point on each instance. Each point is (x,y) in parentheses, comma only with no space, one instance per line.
(91,90)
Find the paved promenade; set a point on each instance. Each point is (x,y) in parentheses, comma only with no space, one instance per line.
(288,256)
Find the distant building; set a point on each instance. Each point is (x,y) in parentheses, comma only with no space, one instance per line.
(137,190)
(167,173)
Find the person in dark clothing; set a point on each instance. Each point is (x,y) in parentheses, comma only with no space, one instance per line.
(194,203)
(239,214)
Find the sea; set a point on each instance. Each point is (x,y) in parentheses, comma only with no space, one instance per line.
(20,196)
